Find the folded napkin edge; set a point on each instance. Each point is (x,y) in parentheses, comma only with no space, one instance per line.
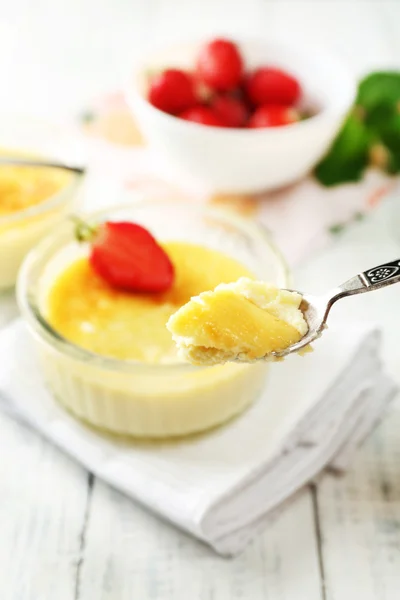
(371,333)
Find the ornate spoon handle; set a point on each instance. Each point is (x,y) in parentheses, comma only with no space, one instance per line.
(373,279)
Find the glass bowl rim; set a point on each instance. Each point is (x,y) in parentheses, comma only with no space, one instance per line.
(45,332)
(61,195)
(44,206)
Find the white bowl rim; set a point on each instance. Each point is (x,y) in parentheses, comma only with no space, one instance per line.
(334,108)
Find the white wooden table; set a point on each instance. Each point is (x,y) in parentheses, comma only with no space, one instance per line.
(65,535)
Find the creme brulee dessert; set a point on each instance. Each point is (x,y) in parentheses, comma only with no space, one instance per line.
(243,321)
(87,311)
(103,345)
(31,202)
(127,326)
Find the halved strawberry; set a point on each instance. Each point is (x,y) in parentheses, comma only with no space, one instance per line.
(127,256)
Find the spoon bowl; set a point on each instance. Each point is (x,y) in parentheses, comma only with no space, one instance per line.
(314,311)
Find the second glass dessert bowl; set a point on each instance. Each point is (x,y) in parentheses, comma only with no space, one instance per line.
(33,199)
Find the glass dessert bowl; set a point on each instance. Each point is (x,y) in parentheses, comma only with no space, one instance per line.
(32,199)
(115,366)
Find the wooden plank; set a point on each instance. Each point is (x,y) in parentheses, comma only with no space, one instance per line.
(131,554)
(360,521)
(43,496)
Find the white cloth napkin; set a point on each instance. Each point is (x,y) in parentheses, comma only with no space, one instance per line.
(222,486)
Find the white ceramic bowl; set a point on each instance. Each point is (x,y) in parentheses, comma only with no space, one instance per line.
(246,160)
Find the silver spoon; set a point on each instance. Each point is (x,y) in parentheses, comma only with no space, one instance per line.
(316,308)
(27,162)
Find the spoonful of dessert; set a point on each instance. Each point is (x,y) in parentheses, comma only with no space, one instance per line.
(248,321)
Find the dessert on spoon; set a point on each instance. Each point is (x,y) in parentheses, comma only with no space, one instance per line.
(248,320)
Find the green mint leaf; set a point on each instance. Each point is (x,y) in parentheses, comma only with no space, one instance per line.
(371,134)
(379,88)
(348,156)
(393,164)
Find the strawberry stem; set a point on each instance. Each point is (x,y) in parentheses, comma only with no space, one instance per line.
(83,231)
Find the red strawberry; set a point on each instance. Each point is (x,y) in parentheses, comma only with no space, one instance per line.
(202,115)
(231,110)
(127,257)
(220,65)
(270,115)
(172,91)
(272,86)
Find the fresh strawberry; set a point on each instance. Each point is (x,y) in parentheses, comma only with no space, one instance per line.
(202,115)
(172,91)
(267,85)
(220,65)
(127,256)
(270,115)
(232,111)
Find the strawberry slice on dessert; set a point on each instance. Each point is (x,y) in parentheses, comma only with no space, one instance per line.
(127,256)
